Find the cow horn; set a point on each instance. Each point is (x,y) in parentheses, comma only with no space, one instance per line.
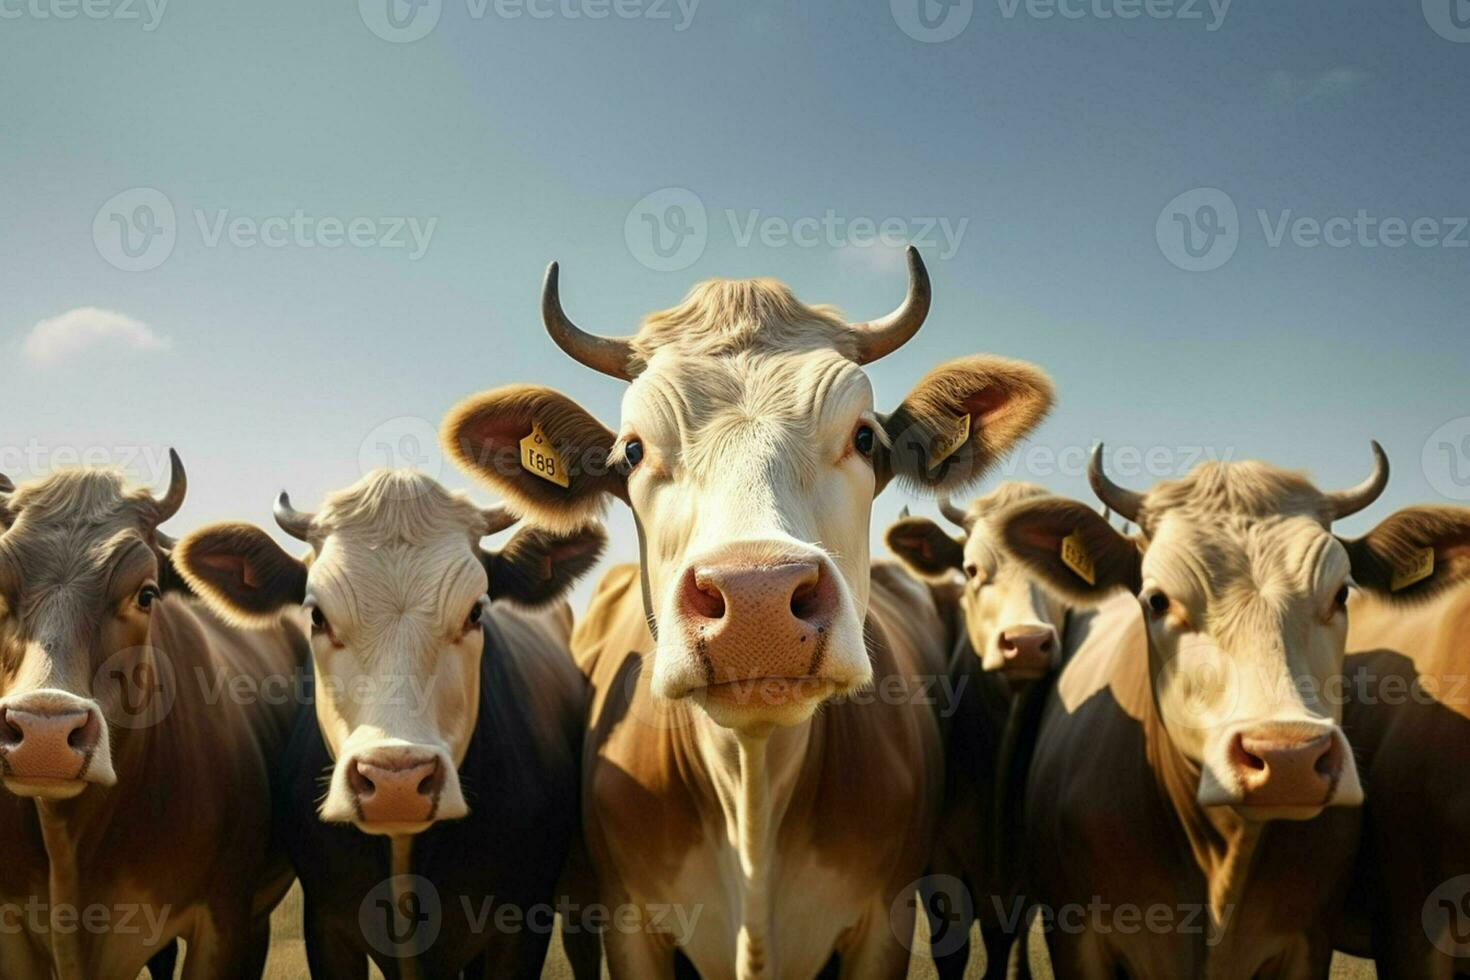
(1344,503)
(497,519)
(5,485)
(291,520)
(1125,503)
(904,515)
(879,338)
(609,355)
(178,485)
(955,515)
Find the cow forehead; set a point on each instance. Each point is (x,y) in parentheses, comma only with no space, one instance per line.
(371,582)
(1232,555)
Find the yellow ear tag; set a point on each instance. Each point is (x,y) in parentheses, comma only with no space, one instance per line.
(1075,556)
(1417,571)
(539,456)
(958,436)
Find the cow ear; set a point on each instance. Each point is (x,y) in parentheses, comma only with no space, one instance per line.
(538,566)
(1414,554)
(537,448)
(1071,548)
(240,572)
(960,418)
(924,547)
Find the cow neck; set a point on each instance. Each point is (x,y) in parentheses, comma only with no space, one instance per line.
(755,778)
(400,850)
(1221,843)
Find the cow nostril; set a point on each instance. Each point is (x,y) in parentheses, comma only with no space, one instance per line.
(359,782)
(10,733)
(1329,763)
(703,596)
(1006,643)
(806,601)
(429,784)
(1046,645)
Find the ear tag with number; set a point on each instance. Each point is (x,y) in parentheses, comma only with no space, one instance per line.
(946,446)
(539,457)
(1419,569)
(1076,557)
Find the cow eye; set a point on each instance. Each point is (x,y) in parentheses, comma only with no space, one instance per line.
(147,594)
(319,622)
(971,569)
(633,452)
(477,613)
(1158,603)
(1342,597)
(863,439)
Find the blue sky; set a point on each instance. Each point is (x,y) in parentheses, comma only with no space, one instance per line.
(1061,144)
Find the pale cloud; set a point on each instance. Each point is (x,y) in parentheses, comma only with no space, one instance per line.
(1298,90)
(86,327)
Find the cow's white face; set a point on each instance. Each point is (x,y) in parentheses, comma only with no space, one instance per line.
(752,491)
(396,643)
(1015,624)
(1247,624)
(82,574)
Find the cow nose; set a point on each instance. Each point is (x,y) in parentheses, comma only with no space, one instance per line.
(396,787)
(795,590)
(1027,651)
(48,745)
(1275,769)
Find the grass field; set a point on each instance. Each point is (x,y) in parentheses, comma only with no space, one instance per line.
(288,955)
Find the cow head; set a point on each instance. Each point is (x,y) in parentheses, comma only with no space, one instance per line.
(749,451)
(1014,622)
(1244,589)
(395,586)
(83,572)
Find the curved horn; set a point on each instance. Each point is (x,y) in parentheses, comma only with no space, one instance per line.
(291,520)
(904,515)
(1125,503)
(606,354)
(1347,502)
(497,519)
(5,485)
(178,485)
(879,338)
(955,515)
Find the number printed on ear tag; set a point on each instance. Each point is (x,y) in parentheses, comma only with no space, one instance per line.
(1076,557)
(540,457)
(958,436)
(1416,571)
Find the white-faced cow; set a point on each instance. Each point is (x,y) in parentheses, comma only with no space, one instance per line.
(749,451)
(1008,632)
(448,723)
(137,741)
(1408,715)
(1192,806)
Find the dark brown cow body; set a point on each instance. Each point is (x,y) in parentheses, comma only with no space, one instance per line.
(1408,714)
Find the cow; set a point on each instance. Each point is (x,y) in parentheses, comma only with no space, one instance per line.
(757,749)
(447,719)
(136,744)
(1193,805)
(1407,711)
(1008,633)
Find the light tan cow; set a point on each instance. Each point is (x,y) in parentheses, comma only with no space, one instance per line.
(750,452)
(1192,760)
(137,736)
(1408,715)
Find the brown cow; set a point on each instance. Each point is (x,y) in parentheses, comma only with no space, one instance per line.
(1191,808)
(750,453)
(137,734)
(1408,714)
